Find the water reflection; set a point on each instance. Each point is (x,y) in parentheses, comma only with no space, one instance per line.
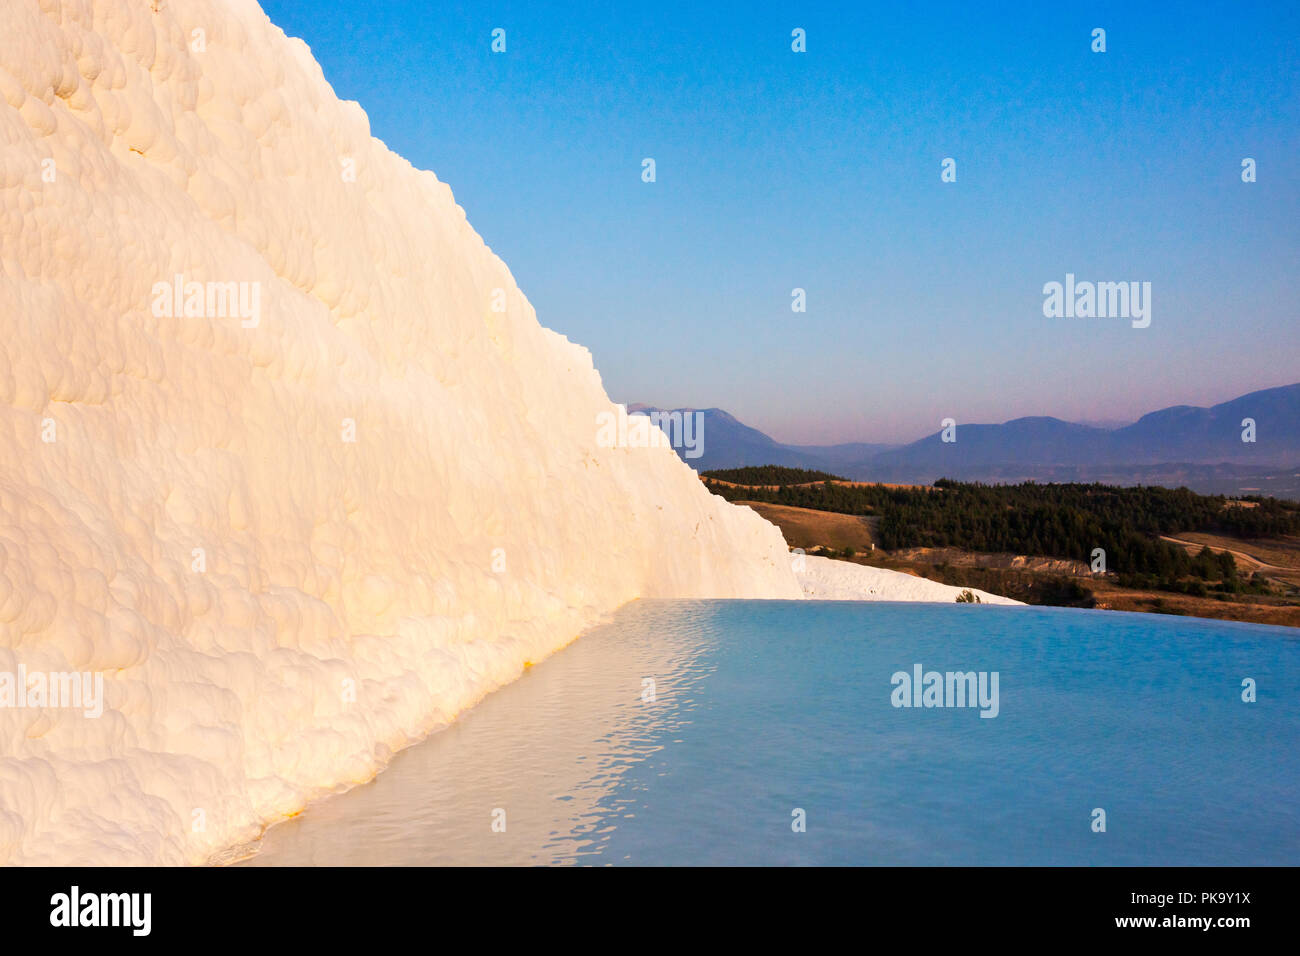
(768,709)
(549,750)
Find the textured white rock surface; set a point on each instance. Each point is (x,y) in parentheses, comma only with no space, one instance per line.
(825,579)
(346,601)
(327,561)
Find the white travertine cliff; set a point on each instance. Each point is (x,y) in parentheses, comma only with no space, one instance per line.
(824,579)
(289,465)
(273,531)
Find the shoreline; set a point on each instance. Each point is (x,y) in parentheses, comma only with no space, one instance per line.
(822,580)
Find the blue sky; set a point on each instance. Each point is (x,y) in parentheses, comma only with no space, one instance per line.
(821,170)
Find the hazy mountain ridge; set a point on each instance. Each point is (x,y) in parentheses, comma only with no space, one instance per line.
(1183,444)
(729,443)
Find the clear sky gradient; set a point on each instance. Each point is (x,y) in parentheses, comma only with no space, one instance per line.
(821,170)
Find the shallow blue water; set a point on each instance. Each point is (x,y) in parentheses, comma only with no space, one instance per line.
(762,708)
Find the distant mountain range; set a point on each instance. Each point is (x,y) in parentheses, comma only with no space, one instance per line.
(729,443)
(1201,448)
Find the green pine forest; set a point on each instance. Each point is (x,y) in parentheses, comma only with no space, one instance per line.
(1048,520)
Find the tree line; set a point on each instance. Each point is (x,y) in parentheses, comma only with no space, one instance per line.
(770,475)
(1054,520)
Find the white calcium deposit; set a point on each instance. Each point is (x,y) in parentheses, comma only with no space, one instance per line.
(824,579)
(293,538)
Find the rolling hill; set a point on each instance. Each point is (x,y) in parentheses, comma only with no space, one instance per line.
(1201,448)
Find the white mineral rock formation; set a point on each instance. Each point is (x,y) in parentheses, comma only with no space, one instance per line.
(276,468)
(294,541)
(824,579)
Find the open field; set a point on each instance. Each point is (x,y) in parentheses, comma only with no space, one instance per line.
(1276,554)
(1277,559)
(805,528)
(1256,610)
(1055,581)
